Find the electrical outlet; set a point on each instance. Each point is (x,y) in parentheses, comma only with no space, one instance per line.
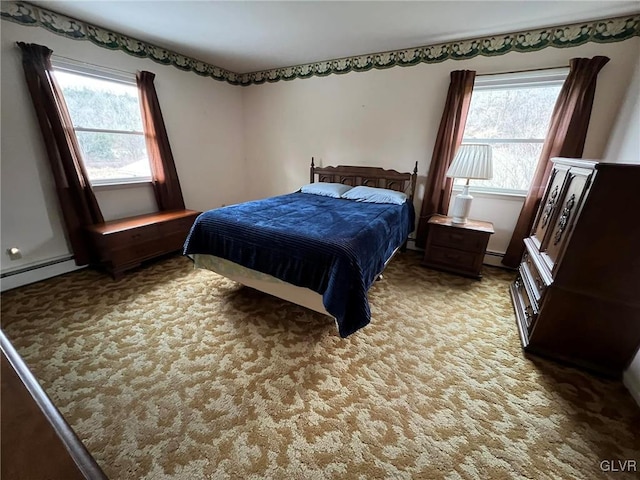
(14,253)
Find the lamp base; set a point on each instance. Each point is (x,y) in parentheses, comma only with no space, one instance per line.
(461,206)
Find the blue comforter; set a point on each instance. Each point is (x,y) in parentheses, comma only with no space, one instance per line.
(332,246)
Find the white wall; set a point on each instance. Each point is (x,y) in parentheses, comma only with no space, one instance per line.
(624,147)
(624,143)
(502,211)
(125,200)
(204,123)
(390,118)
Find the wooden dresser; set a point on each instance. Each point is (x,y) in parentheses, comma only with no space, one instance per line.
(457,248)
(577,293)
(123,244)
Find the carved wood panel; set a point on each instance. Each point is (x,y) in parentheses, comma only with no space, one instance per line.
(368,176)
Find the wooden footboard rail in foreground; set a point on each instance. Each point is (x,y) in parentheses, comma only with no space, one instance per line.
(368,176)
(37,442)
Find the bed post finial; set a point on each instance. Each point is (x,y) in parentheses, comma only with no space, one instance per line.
(312,173)
(414,178)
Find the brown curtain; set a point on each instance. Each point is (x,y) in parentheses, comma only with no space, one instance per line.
(166,185)
(565,138)
(77,201)
(438,188)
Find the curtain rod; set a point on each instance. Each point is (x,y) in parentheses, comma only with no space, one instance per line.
(92,64)
(479,75)
(523,71)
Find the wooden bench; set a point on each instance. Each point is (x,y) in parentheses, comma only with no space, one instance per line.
(125,243)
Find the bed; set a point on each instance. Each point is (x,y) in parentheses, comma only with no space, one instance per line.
(317,251)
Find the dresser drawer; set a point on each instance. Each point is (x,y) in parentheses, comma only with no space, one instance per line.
(526,309)
(459,239)
(179,225)
(451,257)
(175,233)
(174,241)
(137,252)
(132,236)
(533,276)
(120,257)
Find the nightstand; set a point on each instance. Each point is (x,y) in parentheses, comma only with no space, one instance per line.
(457,248)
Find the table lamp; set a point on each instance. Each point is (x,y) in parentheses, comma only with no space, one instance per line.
(472,160)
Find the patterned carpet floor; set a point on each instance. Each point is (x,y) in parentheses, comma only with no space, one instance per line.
(176,373)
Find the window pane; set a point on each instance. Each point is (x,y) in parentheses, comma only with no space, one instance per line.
(102,104)
(513,166)
(517,113)
(114,155)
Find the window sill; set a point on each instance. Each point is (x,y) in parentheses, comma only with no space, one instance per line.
(119,185)
(491,193)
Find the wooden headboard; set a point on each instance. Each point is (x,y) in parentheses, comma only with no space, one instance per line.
(368,176)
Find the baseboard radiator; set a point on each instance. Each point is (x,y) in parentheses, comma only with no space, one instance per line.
(36,272)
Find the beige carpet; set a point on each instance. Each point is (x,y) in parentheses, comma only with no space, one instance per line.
(172,372)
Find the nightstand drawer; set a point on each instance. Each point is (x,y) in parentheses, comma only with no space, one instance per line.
(451,257)
(452,237)
(457,248)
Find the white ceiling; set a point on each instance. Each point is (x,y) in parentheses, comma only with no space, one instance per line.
(247,36)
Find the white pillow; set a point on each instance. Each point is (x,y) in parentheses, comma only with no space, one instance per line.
(375,195)
(326,189)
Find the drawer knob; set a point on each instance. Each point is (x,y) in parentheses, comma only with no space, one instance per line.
(528,313)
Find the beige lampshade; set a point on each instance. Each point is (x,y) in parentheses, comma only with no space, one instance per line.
(472,160)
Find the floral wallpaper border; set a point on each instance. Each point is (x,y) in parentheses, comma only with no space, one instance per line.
(599,31)
(30,15)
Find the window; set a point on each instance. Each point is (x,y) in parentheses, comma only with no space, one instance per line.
(105,111)
(511,112)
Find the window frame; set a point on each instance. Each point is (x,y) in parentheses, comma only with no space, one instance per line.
(503,81)
(66,65)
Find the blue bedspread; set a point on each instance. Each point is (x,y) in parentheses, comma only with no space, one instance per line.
(332,246)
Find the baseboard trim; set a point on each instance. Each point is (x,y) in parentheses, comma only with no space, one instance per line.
(493,258)
(411,245)
(36,273)
(34,266)
(632,382)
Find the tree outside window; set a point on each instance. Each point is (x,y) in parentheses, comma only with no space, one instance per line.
(108,124)
(512,114)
